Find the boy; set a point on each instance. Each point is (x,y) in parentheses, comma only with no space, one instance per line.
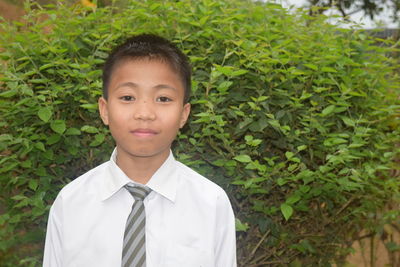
(142,208)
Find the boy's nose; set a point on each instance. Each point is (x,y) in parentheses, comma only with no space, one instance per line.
(144,111)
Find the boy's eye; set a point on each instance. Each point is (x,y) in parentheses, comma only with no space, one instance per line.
(127,98)
(163,99)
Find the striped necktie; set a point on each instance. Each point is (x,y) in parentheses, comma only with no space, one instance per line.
(134,248)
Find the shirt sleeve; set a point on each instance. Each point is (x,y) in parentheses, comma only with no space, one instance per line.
(225,244)
(52,249)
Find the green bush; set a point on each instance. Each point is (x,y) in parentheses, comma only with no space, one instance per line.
(294,117)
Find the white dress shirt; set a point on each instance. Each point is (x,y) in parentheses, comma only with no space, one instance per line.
(189,220)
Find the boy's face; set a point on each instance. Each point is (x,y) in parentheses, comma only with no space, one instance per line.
(144,109)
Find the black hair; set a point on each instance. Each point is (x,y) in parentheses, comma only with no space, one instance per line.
(152,47)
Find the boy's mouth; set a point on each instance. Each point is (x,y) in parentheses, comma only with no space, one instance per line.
(144,132)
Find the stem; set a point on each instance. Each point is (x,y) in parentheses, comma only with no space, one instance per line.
(372,251)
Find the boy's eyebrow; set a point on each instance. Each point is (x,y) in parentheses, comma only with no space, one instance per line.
(134,85)
(164,86)
(128,84)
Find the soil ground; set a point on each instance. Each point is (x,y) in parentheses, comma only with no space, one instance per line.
(10,11)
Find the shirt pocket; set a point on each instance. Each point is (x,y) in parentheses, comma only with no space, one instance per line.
(185,256)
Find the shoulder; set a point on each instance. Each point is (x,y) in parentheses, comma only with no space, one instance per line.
(84,184)
(198,184)
(205,196)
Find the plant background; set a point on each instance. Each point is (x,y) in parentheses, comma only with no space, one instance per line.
(295,118)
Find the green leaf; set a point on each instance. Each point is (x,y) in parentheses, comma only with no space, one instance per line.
(58,126)
(293,199)
(334,141)
(72,131)
(280,181)
(4,218)
(40,146)
(5,137)
(311,66)
(224,86)
(9,93)
(240,227)
(89,129)
(98,140)
(248,138)
(18,197)
(301,148)
(243,158)
(33,184)
(49,154)
(289,154)
(348,121)
(90,106)
(328,110)
(23,203)
(287,211)
(238,73)
(392,246)
(226,70)
(26,164)
(328,69)
(54,138)
(46,66)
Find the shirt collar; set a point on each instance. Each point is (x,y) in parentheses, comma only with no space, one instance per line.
(164,181)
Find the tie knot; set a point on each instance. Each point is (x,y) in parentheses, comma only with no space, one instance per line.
(138,192)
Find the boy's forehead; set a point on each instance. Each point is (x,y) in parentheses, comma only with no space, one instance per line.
(133,60)
(130,63)
(139,60)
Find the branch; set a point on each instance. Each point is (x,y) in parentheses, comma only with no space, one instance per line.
(259,243)
(257,246)
(354,12)
(345,205)
(341,9)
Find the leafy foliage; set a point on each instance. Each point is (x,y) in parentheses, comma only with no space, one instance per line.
(295,118)
(371,8)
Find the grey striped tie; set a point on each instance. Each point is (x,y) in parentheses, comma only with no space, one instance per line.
(134,249)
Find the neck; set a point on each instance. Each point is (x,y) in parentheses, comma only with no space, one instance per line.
(139,169)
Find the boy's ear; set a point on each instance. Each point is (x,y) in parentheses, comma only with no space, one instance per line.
(185,114)
(103,110)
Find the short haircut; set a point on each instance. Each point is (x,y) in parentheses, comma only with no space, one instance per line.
(149,46)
